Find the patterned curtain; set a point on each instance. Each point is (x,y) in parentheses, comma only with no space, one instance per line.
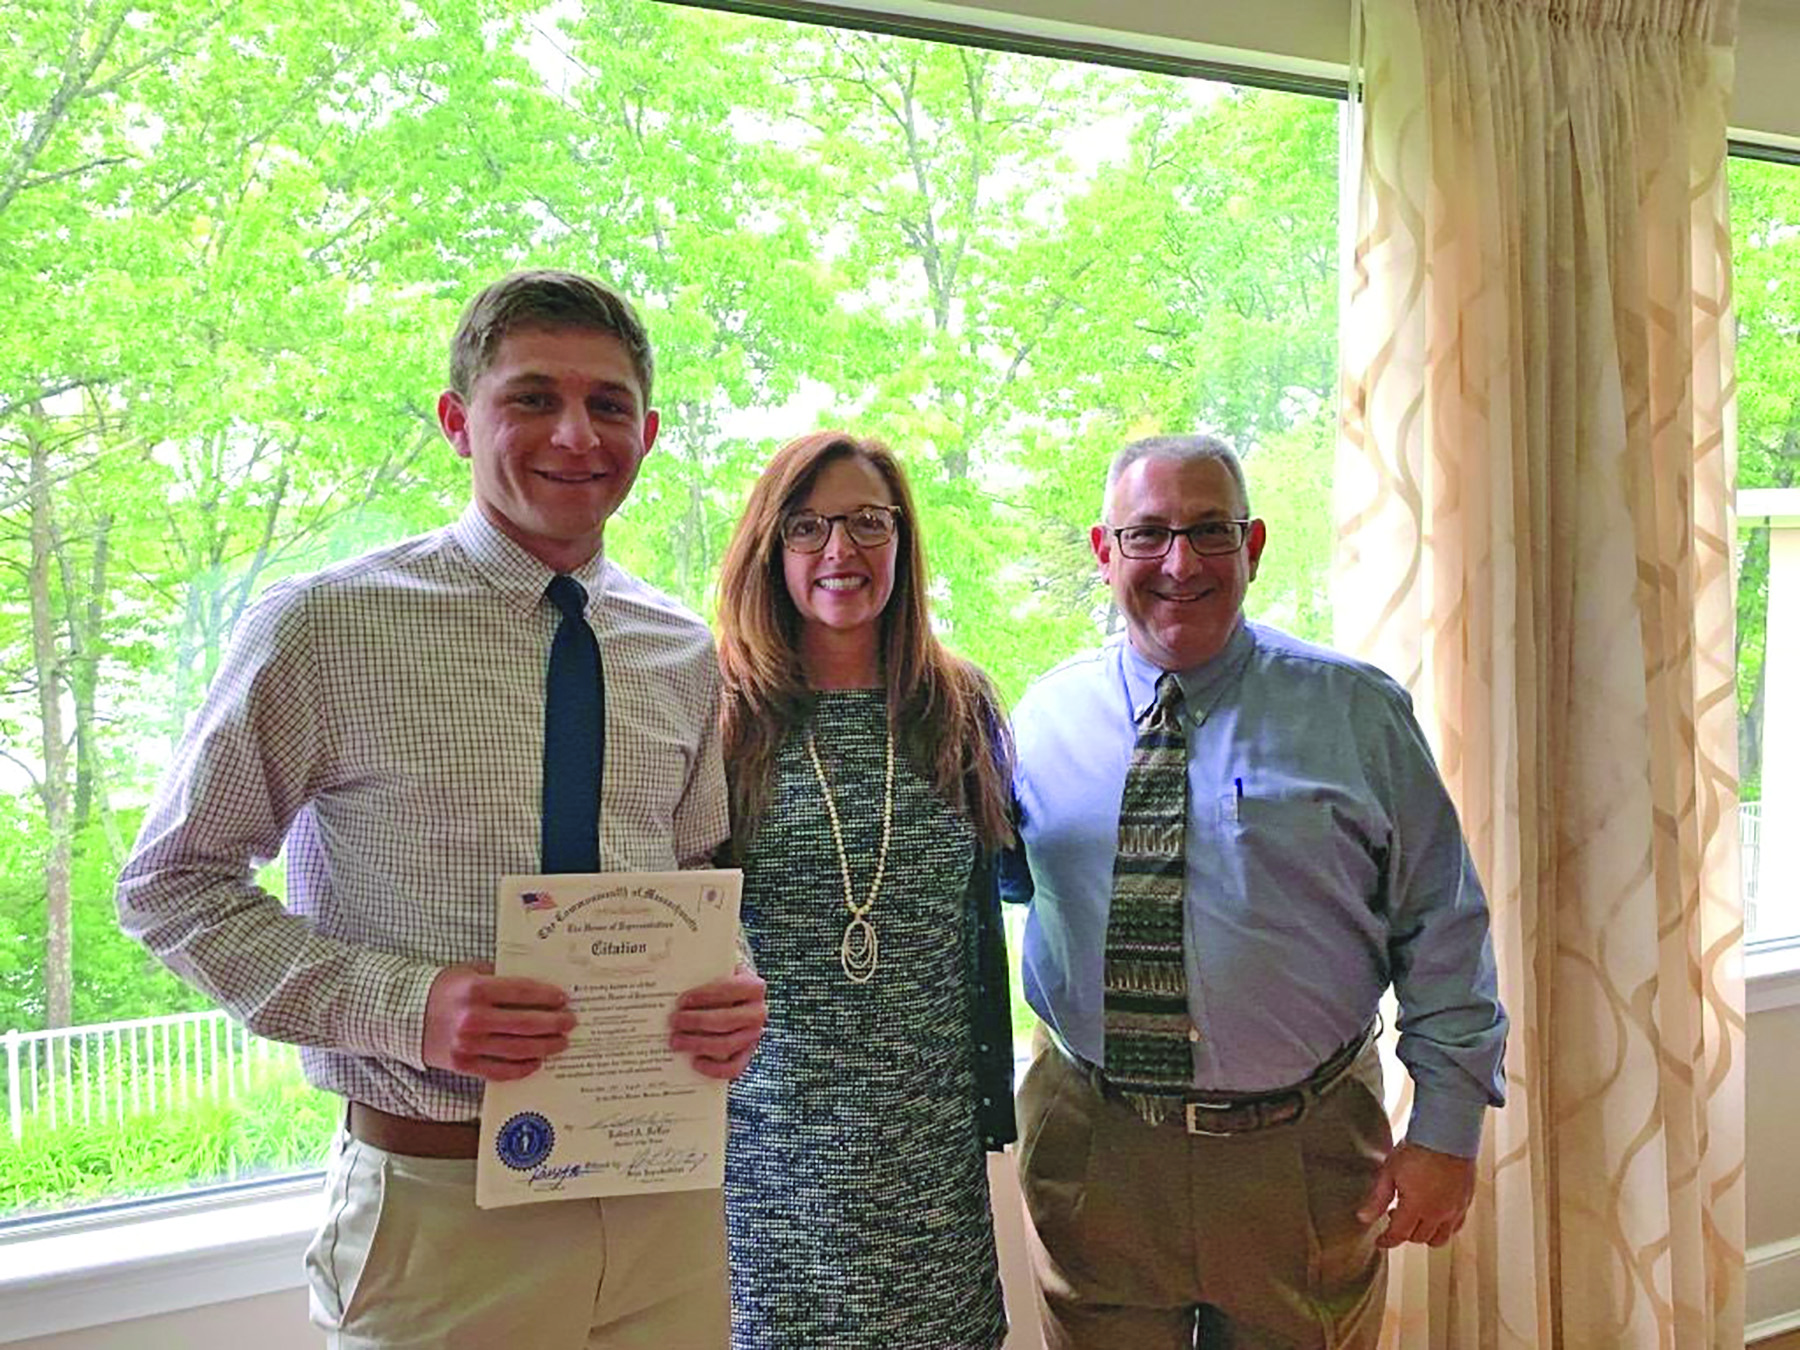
(1535,534)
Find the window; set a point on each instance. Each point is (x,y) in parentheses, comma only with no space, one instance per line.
(231,264)
(1765,229)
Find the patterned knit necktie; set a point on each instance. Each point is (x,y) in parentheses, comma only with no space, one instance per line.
(574,736)
(1147,1026)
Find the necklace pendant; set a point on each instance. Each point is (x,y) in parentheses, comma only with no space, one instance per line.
(857,951)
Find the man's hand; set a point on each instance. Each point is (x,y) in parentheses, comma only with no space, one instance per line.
(720,1023)
(498,1029)
(1429,1191)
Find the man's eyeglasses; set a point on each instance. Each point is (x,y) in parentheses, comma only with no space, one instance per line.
(1209,538)
(867,526)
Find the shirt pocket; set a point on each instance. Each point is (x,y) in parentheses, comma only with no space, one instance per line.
(1283,859)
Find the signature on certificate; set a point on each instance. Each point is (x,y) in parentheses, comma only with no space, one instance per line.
(559,1176)
(662,1161)
(637,1126)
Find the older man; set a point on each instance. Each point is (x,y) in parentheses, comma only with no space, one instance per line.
(495,697)
(1234,842)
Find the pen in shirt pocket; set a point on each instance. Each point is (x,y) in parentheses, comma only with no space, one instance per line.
(1231,802)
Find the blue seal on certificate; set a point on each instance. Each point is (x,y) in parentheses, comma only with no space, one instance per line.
(525,1141)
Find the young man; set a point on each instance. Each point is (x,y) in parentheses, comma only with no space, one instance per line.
(1238,842)
(387,719)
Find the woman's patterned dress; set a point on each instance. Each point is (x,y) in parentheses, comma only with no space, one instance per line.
(855,1181)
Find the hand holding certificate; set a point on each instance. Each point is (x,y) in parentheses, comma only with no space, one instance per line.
(619,1112)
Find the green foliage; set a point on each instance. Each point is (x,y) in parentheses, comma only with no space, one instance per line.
(1765,233)
(118,978)
(279,1126)
(1289,476)
(21,915)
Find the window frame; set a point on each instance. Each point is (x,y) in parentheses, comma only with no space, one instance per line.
(166,1256)
(143,1259)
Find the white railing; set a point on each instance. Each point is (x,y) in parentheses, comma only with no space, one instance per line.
(1750,849)
(111,1070)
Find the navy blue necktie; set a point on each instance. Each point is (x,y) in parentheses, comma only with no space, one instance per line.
(574,736)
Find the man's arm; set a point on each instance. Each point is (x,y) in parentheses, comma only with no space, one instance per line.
(717,1024)
(492,1027)
(246,768)
(1016,885)
(1429,1194)
(701,821)
(1441,962)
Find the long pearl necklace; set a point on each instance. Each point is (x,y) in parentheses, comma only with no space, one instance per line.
(857,952)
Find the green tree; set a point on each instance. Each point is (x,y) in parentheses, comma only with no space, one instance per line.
(1765,233)
(1212,306)
(147,214)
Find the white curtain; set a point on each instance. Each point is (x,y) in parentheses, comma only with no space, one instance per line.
(1535,534)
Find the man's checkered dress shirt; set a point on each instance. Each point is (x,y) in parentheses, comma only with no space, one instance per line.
(385,717)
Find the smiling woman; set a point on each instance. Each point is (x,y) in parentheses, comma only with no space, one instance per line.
(869,770)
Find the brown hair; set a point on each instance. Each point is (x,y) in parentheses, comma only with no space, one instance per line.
(544,299)
(946,717)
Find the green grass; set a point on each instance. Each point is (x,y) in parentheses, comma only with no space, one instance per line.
(280,1125)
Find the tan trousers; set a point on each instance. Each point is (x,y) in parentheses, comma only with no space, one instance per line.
(1152,1238)
(404,1261)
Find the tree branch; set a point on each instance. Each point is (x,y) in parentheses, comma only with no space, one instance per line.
(77,71)
(44,179)
(156,58)
(37,783)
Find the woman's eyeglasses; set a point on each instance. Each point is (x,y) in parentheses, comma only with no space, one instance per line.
(868,527)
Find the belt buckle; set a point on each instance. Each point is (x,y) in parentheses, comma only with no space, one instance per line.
(1193,1112)
(1265,1112)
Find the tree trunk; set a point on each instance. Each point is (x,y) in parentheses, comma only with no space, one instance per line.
(85,606)
(1750,729)
(48,667)
(1755,562)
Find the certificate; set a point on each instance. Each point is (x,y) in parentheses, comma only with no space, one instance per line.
(618,1112)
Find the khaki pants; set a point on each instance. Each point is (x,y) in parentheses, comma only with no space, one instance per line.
(405,1259)
(1149,1237)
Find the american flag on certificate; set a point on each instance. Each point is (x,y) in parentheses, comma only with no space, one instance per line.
(537,900)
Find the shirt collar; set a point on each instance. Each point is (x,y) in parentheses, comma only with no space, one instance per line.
(1200,685)
(519,577)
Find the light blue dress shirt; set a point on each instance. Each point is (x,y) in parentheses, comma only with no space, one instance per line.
(1324,862)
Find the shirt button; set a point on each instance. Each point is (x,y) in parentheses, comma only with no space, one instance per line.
(984,1047)
(987,1101)
(1194,1035)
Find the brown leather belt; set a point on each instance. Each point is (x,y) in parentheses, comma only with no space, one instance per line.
(412,1138)
(1227,1113)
